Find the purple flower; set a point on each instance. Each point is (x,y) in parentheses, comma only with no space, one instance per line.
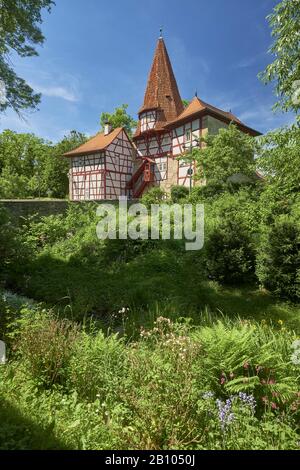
(248,400)
(225,413)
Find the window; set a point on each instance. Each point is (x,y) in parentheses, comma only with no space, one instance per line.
(162,166)
(188,136)
(78,161)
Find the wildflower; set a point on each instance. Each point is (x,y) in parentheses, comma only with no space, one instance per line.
(273,405)
(225,413)
(231,375)
(208,395)
(265,399)
(123,310)
(258,369)
(246,365)
(280,322)
(222,381)
(248,400)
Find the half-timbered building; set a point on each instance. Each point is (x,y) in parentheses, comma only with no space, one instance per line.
(102,167)
(110,165)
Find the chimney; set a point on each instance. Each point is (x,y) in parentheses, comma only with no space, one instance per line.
(107,128)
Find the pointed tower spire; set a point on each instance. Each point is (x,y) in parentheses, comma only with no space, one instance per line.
(162,92)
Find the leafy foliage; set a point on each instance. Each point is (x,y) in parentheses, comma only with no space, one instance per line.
(229,153)
(229,252)
(120,118)
(154,195)
(19,32)
(228,385)
(285,70)
(32,167)
(178,193)
(279,159)
(278,262)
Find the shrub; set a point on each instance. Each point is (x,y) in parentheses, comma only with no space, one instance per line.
(97,367)
(155,195)
(46,346)
(8,245)
(229,252)
(178,193)
(46,231)
(3,317)
(247,357)
(278,260)
(230,385)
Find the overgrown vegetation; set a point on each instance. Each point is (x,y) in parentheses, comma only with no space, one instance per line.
(32,167)
(176,386)
(140,344)
(19,34)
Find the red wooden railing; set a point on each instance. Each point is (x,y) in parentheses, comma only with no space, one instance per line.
(143,176)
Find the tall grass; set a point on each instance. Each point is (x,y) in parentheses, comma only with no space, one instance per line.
(227,384)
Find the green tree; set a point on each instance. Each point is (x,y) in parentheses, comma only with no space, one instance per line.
(21,157)
(19,32)
(120,118)
(179,193)
(230,152)
(55,173)
(278,258)
(285,69)
(279,160)
(32,167)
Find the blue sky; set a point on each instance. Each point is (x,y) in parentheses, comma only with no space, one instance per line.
(98,53)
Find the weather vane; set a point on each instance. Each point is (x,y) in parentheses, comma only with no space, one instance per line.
(160,32)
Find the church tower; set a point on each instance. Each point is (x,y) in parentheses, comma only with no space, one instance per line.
(162,101)
(162,105)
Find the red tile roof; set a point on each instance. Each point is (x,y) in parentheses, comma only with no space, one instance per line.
(95,144)
(162,91)
(196,106)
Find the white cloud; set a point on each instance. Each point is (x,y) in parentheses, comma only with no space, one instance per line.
(57,92)
(248,61)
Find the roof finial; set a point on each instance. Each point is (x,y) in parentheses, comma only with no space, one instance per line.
(161,32)
(196,93)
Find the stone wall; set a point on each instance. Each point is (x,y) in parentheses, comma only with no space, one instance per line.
(27,207)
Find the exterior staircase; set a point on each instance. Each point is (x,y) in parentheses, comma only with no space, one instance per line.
(141,178)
